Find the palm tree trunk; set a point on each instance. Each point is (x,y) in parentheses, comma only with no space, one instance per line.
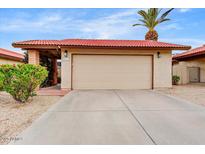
(151,35)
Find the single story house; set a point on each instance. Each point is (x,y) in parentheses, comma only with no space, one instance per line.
(190,65)
(10,57)
(106,64)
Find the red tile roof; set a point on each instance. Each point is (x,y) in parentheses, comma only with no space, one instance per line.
(101,43)
(11,55)
(191,53)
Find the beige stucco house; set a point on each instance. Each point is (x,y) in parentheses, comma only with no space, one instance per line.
(190,65)
(10,57)
(106,64)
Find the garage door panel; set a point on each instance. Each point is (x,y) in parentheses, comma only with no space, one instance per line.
(112,72)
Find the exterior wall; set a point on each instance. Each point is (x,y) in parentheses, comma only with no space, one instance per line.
(65,70)
(181,69)
(33,57)
(161,72)
(202,72)
(8,61)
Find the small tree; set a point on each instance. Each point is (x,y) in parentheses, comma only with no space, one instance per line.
(21,80)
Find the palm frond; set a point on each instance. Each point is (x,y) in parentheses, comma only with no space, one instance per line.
(144,21)
(150,17)
(143,14)
(154,12)
(160,10)
(166,13)
(137,25)
(163,20)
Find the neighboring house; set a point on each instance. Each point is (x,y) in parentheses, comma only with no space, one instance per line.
(190,65)
(10,57)
(106,64)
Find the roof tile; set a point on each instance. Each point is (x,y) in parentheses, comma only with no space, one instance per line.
(191,53)
(101,43)
(11,54)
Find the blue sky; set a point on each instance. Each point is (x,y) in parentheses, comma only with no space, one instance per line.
(186,25)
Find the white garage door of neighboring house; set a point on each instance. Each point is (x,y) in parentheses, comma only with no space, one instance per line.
(112,72)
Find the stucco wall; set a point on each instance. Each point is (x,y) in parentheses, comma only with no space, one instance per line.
(8,61)
(33,57)
(163,70)
(162,65)
(181,69)
(65,70)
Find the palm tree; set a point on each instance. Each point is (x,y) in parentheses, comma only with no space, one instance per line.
(150,20)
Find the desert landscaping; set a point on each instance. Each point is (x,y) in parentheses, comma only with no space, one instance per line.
(193,93)
(15,117)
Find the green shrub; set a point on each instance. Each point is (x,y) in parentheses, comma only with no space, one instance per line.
(175,79)
(5,75)
(1,81)
(21,80)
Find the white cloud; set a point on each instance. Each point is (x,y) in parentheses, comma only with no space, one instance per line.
(122,14)
(184,10)
(40,24)
(109,26)
(172,26)
(186,41)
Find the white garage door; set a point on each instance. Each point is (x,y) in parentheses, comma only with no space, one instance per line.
(111,72)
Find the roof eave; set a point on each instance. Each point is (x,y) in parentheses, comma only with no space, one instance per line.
(181,48)
(188,56)
(29,46)
(11,57)
(26,46)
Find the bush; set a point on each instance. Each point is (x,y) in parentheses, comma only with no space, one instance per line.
(1,81)
(21,80)
(5,75)
(175,79)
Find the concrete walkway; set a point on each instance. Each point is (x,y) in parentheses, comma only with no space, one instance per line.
(52,91)
(118,117)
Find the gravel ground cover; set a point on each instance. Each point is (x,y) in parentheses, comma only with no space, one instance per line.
(194,93)
(15,117)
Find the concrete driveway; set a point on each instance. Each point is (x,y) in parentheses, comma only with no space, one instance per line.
(118,117)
